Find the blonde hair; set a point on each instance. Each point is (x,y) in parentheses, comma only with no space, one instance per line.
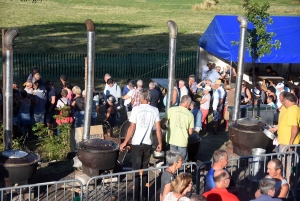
(181,182)
(76,90)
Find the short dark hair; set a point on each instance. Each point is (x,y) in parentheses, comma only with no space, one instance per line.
(278,163)
(272,98)
(290,97)
(110,81)
(272,89)
(63,77)
(68,85)
(269,67)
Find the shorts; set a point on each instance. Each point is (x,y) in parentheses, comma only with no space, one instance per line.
(217,115)
(39,118)
(49,117)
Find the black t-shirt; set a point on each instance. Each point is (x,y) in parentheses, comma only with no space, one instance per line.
(79,103)
(154,97)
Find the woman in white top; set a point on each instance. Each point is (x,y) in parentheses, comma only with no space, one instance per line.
(127,97)
(204,106)
(181,185)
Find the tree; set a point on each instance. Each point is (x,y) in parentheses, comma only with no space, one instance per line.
(258,41)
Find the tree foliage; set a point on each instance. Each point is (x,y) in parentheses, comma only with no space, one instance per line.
(258,41)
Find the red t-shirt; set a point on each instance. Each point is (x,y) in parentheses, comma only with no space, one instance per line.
(219,194)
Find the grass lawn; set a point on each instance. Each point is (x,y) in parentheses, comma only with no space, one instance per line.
(57,26)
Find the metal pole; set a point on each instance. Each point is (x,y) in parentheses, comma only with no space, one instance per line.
(90,78)
(240,67)
(3,84)
(171,64)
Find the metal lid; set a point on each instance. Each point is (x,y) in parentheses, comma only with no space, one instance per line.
(98,144)
(14,153)
(248,121)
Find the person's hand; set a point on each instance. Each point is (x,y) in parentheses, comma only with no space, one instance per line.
(159,148)
(272,130)
(122,146)
(257,194)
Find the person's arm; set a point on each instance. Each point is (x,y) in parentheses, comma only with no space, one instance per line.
(159,136)
(203,100)
(175,93)
(53,98)
(167,189)
(274,129)
(108,112)
(284,190)
(248,95)
(294,133)
(129,135)
(191,131)
(234,71)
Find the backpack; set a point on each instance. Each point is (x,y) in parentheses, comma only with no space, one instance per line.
(67,112)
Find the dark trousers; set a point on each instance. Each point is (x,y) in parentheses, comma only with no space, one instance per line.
(140,159)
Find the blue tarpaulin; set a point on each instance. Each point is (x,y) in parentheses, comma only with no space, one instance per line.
(224,29)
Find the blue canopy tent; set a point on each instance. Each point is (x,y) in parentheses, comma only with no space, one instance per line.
(224,29)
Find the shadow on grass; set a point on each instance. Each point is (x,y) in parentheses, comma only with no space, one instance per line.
(111,38)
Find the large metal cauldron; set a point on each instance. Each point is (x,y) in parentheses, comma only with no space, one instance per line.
(17,166)
(97,155)
(246,134)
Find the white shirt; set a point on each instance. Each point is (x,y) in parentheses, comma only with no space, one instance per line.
(213,75)
(205,70)
(207,102)
(144,116)
(278,103)
(183,91)
(217,95)
(128,100)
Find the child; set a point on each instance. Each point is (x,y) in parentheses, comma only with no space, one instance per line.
(271,102)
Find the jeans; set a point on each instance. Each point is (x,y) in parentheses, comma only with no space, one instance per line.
(198,119)
(140,159)
(79,119)
(39,117)
(182,150)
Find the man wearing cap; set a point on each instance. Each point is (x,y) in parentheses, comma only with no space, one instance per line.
(218,101)
(204,106)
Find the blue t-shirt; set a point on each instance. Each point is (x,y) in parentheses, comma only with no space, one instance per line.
(41,97)
(125,90)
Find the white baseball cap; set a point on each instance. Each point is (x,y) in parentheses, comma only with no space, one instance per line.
(280,85)
(207,88)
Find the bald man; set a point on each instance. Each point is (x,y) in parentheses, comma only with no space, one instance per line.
(220,193)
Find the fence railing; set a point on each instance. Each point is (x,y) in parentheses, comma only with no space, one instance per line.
(55,191)
(245,172)
(135,65)
(120,186)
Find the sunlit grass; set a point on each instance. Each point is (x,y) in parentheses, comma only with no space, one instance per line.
(57,26)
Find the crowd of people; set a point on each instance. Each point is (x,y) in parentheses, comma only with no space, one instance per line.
(38,102)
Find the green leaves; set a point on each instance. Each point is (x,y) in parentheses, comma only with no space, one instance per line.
(259,42)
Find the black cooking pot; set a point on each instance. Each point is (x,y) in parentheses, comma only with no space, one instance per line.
(17,166)
(246,134)
(98,154)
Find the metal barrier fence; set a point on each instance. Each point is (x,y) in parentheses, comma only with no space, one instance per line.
(120,186)
(137,65)
(54,191)
(247,171)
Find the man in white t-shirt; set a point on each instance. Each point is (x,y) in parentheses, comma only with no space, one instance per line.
(214,75)
(142,119)
(218,102)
